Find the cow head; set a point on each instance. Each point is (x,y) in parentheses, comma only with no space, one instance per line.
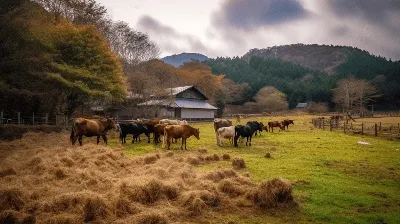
(260,126)
(291,122)
(196,133)
(109,124)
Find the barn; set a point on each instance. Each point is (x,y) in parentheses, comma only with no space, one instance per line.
(185,102)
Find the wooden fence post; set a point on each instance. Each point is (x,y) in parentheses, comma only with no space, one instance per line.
(344,127)
(19,117)
(33,118)
(323,124)
(351,126)
(47,118)
(1,117)
(330,125)
(362,128)
(380,126)
(376,130)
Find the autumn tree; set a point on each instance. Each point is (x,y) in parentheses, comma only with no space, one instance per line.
(270,99)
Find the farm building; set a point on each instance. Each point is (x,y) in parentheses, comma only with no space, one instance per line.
(301,106)
(186,102)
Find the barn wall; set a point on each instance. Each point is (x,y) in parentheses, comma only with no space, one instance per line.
(196,113)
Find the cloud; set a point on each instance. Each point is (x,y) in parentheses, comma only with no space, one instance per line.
(247,15)
(169,39)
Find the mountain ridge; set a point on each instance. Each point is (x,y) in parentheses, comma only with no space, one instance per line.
(177,60)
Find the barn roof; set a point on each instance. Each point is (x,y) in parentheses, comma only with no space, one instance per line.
(175,91)
(179,103)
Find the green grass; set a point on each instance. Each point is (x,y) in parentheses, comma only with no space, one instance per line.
(340,181)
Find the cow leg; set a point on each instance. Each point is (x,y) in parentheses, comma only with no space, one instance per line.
(182,143)
(104,138)
(185,142)
(168,142)
(80,139)
(98,139)
(148,138)
(250,141)
(74,138)
(247,140)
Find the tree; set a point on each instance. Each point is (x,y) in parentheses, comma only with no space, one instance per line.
(352,92)
(271,99)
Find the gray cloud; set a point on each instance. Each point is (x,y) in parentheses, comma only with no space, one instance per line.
(246,15)
(169,39)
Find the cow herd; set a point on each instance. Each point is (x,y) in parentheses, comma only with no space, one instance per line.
(171,130)
(225,130)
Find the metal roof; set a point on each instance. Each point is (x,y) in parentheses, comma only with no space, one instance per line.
(177,90)
(180,103)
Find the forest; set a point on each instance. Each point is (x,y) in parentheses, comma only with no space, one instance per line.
(62,56)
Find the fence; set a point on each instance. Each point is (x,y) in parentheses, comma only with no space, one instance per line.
(363,128)
(33,119)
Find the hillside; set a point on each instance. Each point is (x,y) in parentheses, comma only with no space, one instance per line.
(179,59)
(319,57)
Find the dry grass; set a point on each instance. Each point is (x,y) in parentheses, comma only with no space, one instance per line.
(226,157)
(267,155)
(273,193)
(238,163)
(53,182)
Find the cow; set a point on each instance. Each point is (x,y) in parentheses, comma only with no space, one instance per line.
(179,131)
(133,128)
(225,132)
(158,131)
(257,126)
(273,124)
(219,123)
(90,128)
(245,132)
(285,124)
(173,122)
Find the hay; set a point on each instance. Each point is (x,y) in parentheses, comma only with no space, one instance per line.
(202,151)
(11,199)
(152,218)
(169,154)
(198,201)
(150,159)
(96,209)
(124,207)
(216,157)
(238,163)
(267,155)
(60,174)
(14,217)
(7,172)
(230,188)
(193,161)
(226,157)
(272,193)
(220,174)
(144,194)
(67,161)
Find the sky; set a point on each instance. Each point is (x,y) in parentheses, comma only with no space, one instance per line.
(233,27)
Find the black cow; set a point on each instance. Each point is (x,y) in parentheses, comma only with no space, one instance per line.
(257,126)
(245,132)
(134,129)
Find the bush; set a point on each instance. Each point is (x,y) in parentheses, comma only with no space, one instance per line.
(317,107)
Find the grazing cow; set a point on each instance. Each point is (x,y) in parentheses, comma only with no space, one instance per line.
(257,126)
(219,123)
(245,132)
(173,122)
(179,131)
(134,129)
(158,131)
(273,124)
(90,128)
(225,132)
(285,124)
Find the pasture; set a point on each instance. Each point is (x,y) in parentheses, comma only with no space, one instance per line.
(334,179)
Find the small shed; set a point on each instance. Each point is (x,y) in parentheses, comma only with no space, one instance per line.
(185,102)
(301,106)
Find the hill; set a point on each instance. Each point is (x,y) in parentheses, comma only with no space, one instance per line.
(309,72)
(179,59)
(320,57)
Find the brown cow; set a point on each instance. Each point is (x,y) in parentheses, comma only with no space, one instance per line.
(179,131)
(273,124)
(220,123)
(285,124)
(158,131)
(90,128)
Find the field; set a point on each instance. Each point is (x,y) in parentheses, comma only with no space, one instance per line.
(334,179)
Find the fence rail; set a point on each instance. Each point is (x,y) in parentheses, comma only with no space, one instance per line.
(363,128)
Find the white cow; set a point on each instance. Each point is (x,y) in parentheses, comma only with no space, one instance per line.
(225,132)
(172,122)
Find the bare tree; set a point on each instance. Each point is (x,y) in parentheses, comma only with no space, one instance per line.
(352,92)
(271,99)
